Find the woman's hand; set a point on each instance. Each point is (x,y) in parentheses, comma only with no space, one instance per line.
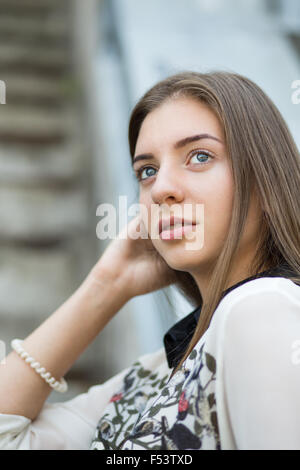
(133,263)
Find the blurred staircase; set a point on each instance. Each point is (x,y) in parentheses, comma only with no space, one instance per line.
(46,239)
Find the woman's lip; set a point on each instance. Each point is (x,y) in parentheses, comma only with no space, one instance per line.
(176,233)
(167,223)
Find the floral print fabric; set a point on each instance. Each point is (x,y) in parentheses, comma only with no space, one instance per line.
(151,412)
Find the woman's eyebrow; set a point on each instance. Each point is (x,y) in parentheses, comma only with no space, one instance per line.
(181,143)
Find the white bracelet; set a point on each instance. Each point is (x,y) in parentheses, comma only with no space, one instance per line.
(60,386)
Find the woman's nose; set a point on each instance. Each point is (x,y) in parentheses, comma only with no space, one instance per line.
(167,186)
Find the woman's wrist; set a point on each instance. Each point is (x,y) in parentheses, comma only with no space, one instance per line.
(100,289)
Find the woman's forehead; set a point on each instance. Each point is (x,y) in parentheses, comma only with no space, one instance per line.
(175,120)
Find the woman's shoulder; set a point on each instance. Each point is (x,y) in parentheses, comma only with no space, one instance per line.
(261,300)
(261,288)
(258,347)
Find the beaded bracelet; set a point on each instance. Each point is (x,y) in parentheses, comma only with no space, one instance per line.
(60,386)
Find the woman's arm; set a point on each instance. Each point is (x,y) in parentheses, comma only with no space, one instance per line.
(57,343)
(128,267)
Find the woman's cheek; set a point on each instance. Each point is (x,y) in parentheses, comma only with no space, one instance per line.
(217,216)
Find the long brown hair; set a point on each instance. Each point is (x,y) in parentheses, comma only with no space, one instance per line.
(263,156)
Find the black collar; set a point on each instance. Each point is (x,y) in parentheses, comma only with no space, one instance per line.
(177,338)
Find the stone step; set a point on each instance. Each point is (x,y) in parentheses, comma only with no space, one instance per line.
(32,90)
(35,282)
(34,7)
(26,164)
(40,214)
(45,69)
(26,30)
(21,123)
(36,55)
(32,85)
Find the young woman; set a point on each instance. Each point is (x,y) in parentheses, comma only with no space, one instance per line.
(228,375)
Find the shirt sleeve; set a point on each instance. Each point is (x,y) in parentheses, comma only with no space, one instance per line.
(68,425)
(262,370)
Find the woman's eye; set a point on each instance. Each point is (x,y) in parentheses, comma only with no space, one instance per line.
(200,157)
(145,172)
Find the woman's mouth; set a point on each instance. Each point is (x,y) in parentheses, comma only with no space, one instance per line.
(176,231)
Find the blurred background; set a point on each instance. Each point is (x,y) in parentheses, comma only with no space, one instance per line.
(74,70)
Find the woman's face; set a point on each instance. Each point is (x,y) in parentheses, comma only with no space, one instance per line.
(195,175)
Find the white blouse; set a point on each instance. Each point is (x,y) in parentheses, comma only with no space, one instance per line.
(238,389)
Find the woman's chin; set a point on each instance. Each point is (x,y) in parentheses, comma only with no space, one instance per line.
(179,257)
(182,262)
